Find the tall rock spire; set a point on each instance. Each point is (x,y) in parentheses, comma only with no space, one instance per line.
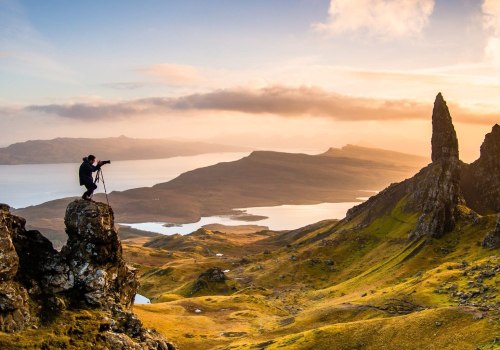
(439,189)
(444,138)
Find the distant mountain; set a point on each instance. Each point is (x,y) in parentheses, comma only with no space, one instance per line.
(376,155)
(71,150)
(263,178)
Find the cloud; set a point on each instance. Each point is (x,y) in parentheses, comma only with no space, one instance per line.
(380,18)
(9,111)
(128,85)
(174,74)
(96,111)
(491,22)
(491,15)
(275,100)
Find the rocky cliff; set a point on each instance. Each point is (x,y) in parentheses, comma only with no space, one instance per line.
(39,286)
(437,192)
(481,179)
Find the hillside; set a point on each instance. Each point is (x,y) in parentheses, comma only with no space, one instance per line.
(263,178)
(71,150)
(412,268)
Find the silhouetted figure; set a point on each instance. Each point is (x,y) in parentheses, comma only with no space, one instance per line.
(85,172)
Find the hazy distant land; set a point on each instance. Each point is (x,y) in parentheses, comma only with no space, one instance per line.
(263,178)
(266,178)
(71,150)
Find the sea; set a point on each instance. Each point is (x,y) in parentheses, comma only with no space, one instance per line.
(31,184)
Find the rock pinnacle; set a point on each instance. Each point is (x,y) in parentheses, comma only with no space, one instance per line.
(444,138)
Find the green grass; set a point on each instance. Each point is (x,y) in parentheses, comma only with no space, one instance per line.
(382,291)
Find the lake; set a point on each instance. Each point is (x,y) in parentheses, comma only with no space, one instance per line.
(141,299)
(282,217)
(31,184)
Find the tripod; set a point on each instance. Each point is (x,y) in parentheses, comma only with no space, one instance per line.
(99,177)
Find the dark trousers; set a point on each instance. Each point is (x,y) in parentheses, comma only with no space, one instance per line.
(90,186)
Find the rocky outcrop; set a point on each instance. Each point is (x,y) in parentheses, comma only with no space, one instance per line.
(438,193)
(94,255)
(434,191)
(444,138)
(38,283)
(481,179)
(212,279)
(492,239)
(14,309)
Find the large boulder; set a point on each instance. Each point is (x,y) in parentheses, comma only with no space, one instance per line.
(39,284)
(93,253)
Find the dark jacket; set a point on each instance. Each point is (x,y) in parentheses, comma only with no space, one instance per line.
(85,172)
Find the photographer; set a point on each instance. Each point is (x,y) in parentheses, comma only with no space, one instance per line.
(85,173)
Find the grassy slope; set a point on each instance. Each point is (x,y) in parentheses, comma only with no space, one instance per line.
(380,287)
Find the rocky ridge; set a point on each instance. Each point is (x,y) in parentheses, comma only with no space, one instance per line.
(38,283)
(439,190)
(481,179)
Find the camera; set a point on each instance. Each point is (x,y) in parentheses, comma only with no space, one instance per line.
(105,162)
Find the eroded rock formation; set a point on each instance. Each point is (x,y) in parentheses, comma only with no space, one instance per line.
(14,308)
(481,179)
(438,192)
(37,283)
(434,191)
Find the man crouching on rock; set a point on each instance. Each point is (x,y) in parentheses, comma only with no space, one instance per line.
(85,172)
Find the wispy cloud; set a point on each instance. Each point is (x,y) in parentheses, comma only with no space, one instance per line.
(491,22)
(276,100)
(8,111)
(174,74)
(380,18)
(128,85)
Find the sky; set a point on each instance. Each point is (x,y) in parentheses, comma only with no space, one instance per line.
(267,74)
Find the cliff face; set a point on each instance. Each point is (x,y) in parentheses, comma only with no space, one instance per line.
(481,179)
(37,283)
(434,191)
(438,192)
(444,138)
(14,308)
